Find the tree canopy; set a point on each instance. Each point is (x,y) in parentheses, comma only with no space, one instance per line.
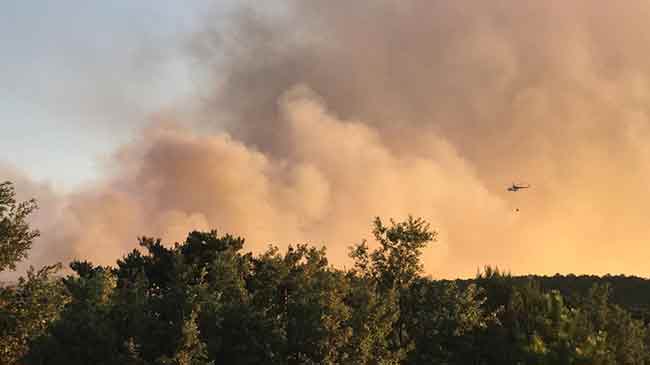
(208,301)
(16,236)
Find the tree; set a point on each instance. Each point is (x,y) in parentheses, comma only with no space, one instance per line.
(374,313)
(156,302)
(394,266)
(316,313)
(621,338)
(397,260)
(85,332)
(27,309)
(190,350)
(445,322)
(204,301)
(16,236)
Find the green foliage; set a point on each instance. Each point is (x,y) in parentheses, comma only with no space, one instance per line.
(393,267)
(536,326)
(316,312)
(373,315)
(31,305)
(204,301)
(445,322)
(397,260)
(26,310)
(190,350)
(16,236)
(84,333)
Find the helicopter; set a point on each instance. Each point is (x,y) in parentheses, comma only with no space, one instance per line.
(515,187)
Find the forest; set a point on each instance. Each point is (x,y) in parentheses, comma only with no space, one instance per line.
(209,301)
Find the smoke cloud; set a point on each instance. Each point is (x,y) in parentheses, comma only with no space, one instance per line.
(324,114)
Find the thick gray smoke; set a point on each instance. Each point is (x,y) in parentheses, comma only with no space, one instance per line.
(327,113)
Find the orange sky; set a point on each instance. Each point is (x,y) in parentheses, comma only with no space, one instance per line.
(320,118)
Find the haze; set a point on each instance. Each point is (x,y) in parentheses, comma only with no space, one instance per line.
(302,121)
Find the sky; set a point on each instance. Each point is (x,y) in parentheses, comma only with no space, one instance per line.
(79,78)
(302,121)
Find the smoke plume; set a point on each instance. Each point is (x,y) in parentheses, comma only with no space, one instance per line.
(324,114)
